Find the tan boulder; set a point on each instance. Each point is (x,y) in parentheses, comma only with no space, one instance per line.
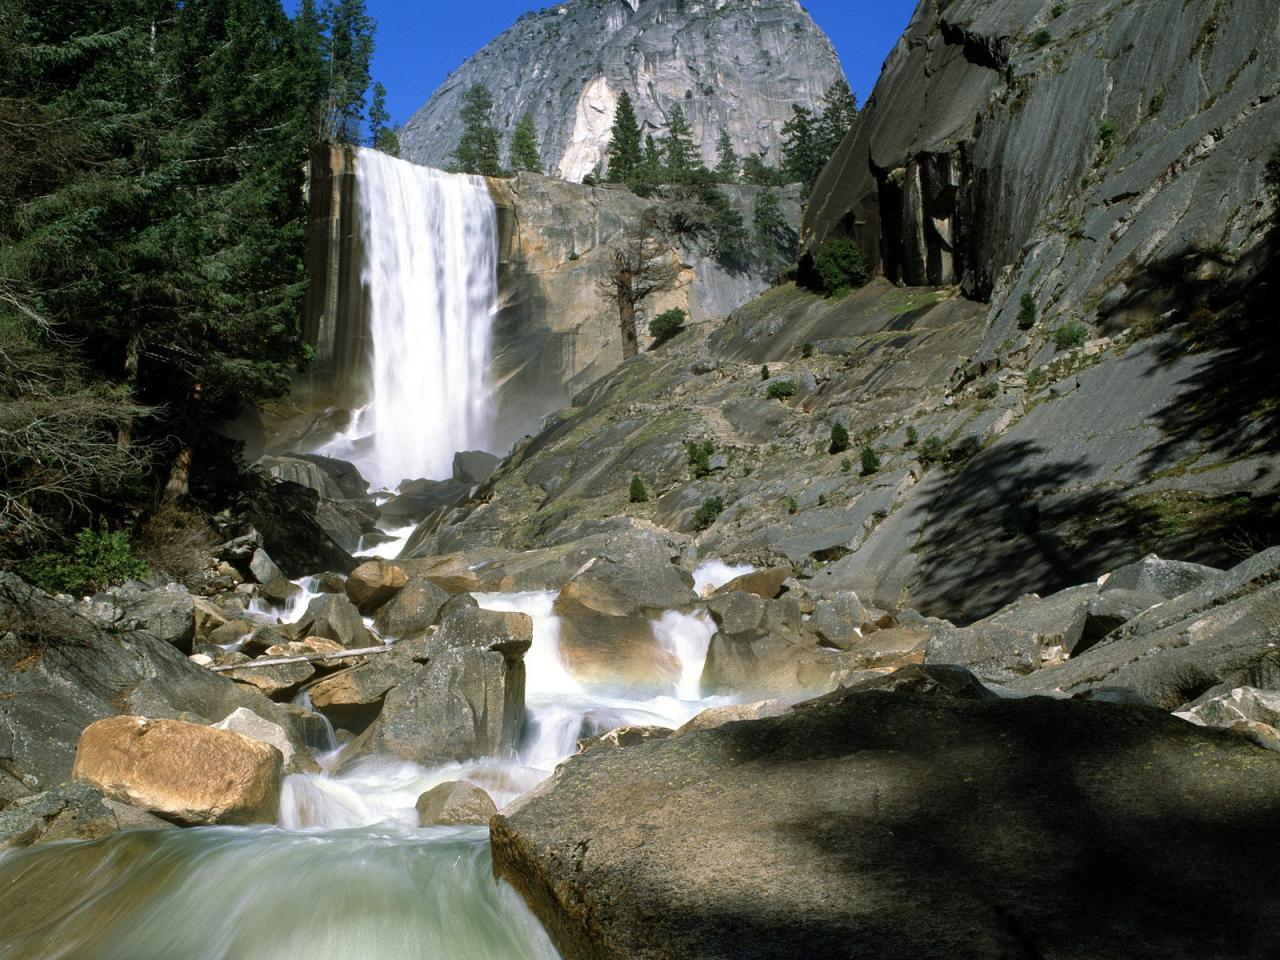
(454,803)
(719,716)
(765,583)
(373,583)
(279,681)
(452,573)
(184,772)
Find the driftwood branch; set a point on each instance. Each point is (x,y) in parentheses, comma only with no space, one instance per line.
(302,658)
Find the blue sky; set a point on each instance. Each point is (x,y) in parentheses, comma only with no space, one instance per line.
(419,43)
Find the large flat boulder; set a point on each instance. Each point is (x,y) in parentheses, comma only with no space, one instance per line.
(184,772)
(896,826)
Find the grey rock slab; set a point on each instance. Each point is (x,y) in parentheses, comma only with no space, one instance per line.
(862,825)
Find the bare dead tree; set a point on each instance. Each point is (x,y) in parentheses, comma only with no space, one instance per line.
(642,265)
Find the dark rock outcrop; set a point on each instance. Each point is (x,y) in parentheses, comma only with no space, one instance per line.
(60,672)
(891,825)
(462,698)
(1096,148)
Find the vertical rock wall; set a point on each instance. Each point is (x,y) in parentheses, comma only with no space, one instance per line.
(1104,156)
(553,333)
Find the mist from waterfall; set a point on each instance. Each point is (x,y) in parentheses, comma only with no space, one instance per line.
(429,241)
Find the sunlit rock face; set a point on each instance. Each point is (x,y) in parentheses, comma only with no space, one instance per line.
(737,66)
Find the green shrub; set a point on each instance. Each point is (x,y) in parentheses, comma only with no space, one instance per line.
(98,560)
(781,389)
(989,390)
(870,462)
(1071,334)
(1042,38)
(846,465)
(839,439)
(841,266)
(764,372)
(792,506)
(706,514)
(638,493)
(1027,312)
(932,451)
(700,457)
(913,435)
(1106,135)
(667,324)
(1058,10)
(1036,378)
(806,351)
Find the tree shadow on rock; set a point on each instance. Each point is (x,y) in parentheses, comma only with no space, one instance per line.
(1014,521)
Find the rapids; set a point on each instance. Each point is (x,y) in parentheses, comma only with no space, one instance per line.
(347,873)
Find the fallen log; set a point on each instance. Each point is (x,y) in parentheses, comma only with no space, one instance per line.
(302,658)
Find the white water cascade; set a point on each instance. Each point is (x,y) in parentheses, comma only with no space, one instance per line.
(430,275)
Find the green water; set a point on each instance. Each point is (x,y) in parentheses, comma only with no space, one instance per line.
(264,894)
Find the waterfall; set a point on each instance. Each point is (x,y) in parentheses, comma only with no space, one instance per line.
(429,242)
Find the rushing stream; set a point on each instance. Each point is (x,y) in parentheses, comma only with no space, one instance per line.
(347,873)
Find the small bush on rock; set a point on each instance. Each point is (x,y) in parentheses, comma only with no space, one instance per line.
(839,439)
(989,390)
(870,461)
(1042,38)
(1027,312)
(700,457)
(806,350)
(707,514)
(846,465)
(932,451)
(841,266)
(764,372)
(638,493)
(98,560)
(913,435)
(1070,334)
(667,324)
(781,390)
(792,506)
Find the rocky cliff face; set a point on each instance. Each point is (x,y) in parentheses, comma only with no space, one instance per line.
(735,65)
(553,335)
(1105,157)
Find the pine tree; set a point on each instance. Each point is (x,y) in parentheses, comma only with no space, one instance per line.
(802,158)
(524,146)
(679,153)
(839,113)
(348,54)
(624,146)
(477,151)
(382,136)
(727,159)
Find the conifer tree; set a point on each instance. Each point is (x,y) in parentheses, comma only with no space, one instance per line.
(726,159)
(839,112)
(477,151)
(802,158)
(524,154)
(625,158)
(348,55)
(680,155)
(382,136)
